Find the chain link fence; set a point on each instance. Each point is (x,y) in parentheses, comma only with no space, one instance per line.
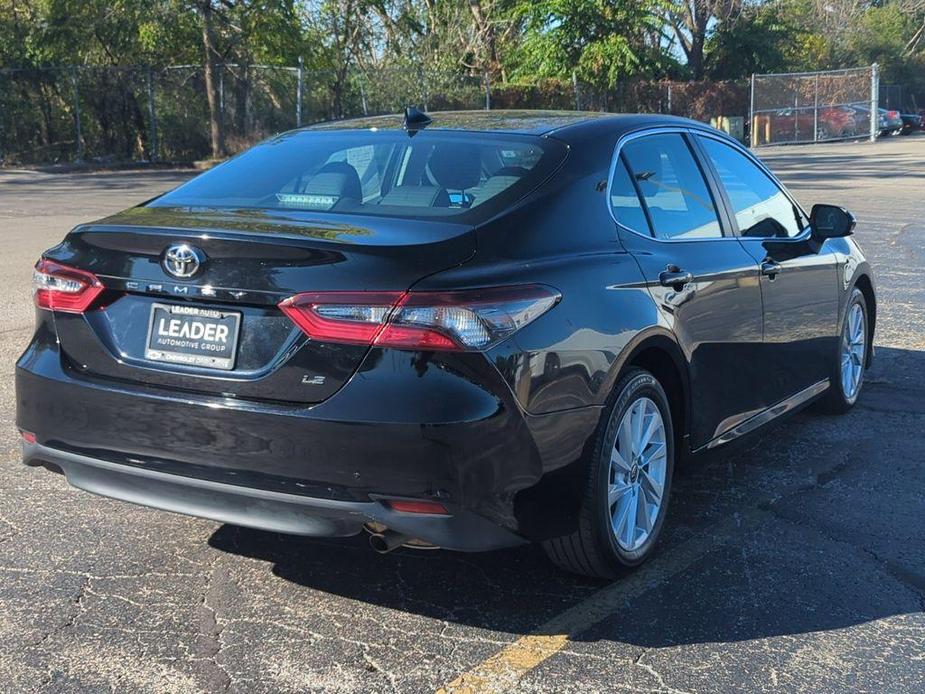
(118,114)
(814,106)
(109,114)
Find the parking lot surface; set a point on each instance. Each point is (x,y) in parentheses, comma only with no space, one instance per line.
(795,564)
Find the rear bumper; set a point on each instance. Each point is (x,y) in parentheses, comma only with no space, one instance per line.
(408,425)
(258,508)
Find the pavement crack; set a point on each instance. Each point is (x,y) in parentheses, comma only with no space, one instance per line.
(656,675)
(211,628)
(68,623)
(913,581)
(373,665)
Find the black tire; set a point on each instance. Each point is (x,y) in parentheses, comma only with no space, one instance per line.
(835,401)
(592,549)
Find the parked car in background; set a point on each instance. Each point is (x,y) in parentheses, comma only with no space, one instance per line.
(911,122)
(889,121)
(802,124)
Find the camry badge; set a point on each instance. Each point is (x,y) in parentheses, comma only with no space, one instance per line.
(182,260)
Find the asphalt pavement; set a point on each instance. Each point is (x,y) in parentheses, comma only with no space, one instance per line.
(794,564)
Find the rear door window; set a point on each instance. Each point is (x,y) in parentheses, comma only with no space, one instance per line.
(625,201)
(673,188)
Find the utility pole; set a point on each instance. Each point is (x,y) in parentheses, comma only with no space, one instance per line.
(874,101)
(816,111)
(298,93)
(752,125)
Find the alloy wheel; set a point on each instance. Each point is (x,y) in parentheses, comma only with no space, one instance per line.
(852,354)
(636,479)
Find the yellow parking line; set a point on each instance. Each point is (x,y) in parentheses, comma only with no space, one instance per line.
(503,670)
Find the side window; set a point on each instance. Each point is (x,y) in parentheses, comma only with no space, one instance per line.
(625,201)
(673,188)
(761,208)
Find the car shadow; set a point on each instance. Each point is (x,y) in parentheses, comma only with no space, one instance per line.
(822,530)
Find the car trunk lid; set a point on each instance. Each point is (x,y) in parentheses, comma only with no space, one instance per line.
(250,261)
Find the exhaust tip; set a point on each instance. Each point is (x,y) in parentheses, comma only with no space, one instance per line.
(378,543)
(386,541)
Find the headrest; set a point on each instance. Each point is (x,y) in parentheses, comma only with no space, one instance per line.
(336,178)
(335,182)
(456,166)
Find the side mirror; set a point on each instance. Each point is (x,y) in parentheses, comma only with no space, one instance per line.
(831,222)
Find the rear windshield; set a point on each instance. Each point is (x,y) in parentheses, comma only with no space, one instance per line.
(432,174)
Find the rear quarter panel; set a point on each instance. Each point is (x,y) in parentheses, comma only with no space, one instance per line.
(563,236)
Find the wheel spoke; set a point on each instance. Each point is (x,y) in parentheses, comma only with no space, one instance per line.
(857,333)
(629,526)
(620,514)
(653,488)
(857,351)
(638,417)
(647,513)
(654,424)
(659,452)
(626,435)
(616,491)
(617,460)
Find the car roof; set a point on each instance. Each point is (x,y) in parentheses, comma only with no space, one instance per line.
(513,121)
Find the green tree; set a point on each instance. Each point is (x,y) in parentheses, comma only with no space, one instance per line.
(771,37)
(603,41)
(693,20)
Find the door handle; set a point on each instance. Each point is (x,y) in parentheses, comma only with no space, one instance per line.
(675,277)
(770,268)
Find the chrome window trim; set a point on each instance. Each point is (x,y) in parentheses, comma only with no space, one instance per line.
(692,131)
(615,158)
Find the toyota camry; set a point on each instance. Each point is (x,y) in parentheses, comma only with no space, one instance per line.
(466,330)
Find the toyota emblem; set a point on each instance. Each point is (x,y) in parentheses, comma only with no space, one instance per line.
(182,260)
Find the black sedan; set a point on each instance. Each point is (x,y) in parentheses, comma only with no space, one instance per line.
(471,331)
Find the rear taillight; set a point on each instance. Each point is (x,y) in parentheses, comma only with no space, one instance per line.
(468,320)
(416,506)
(63,288)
